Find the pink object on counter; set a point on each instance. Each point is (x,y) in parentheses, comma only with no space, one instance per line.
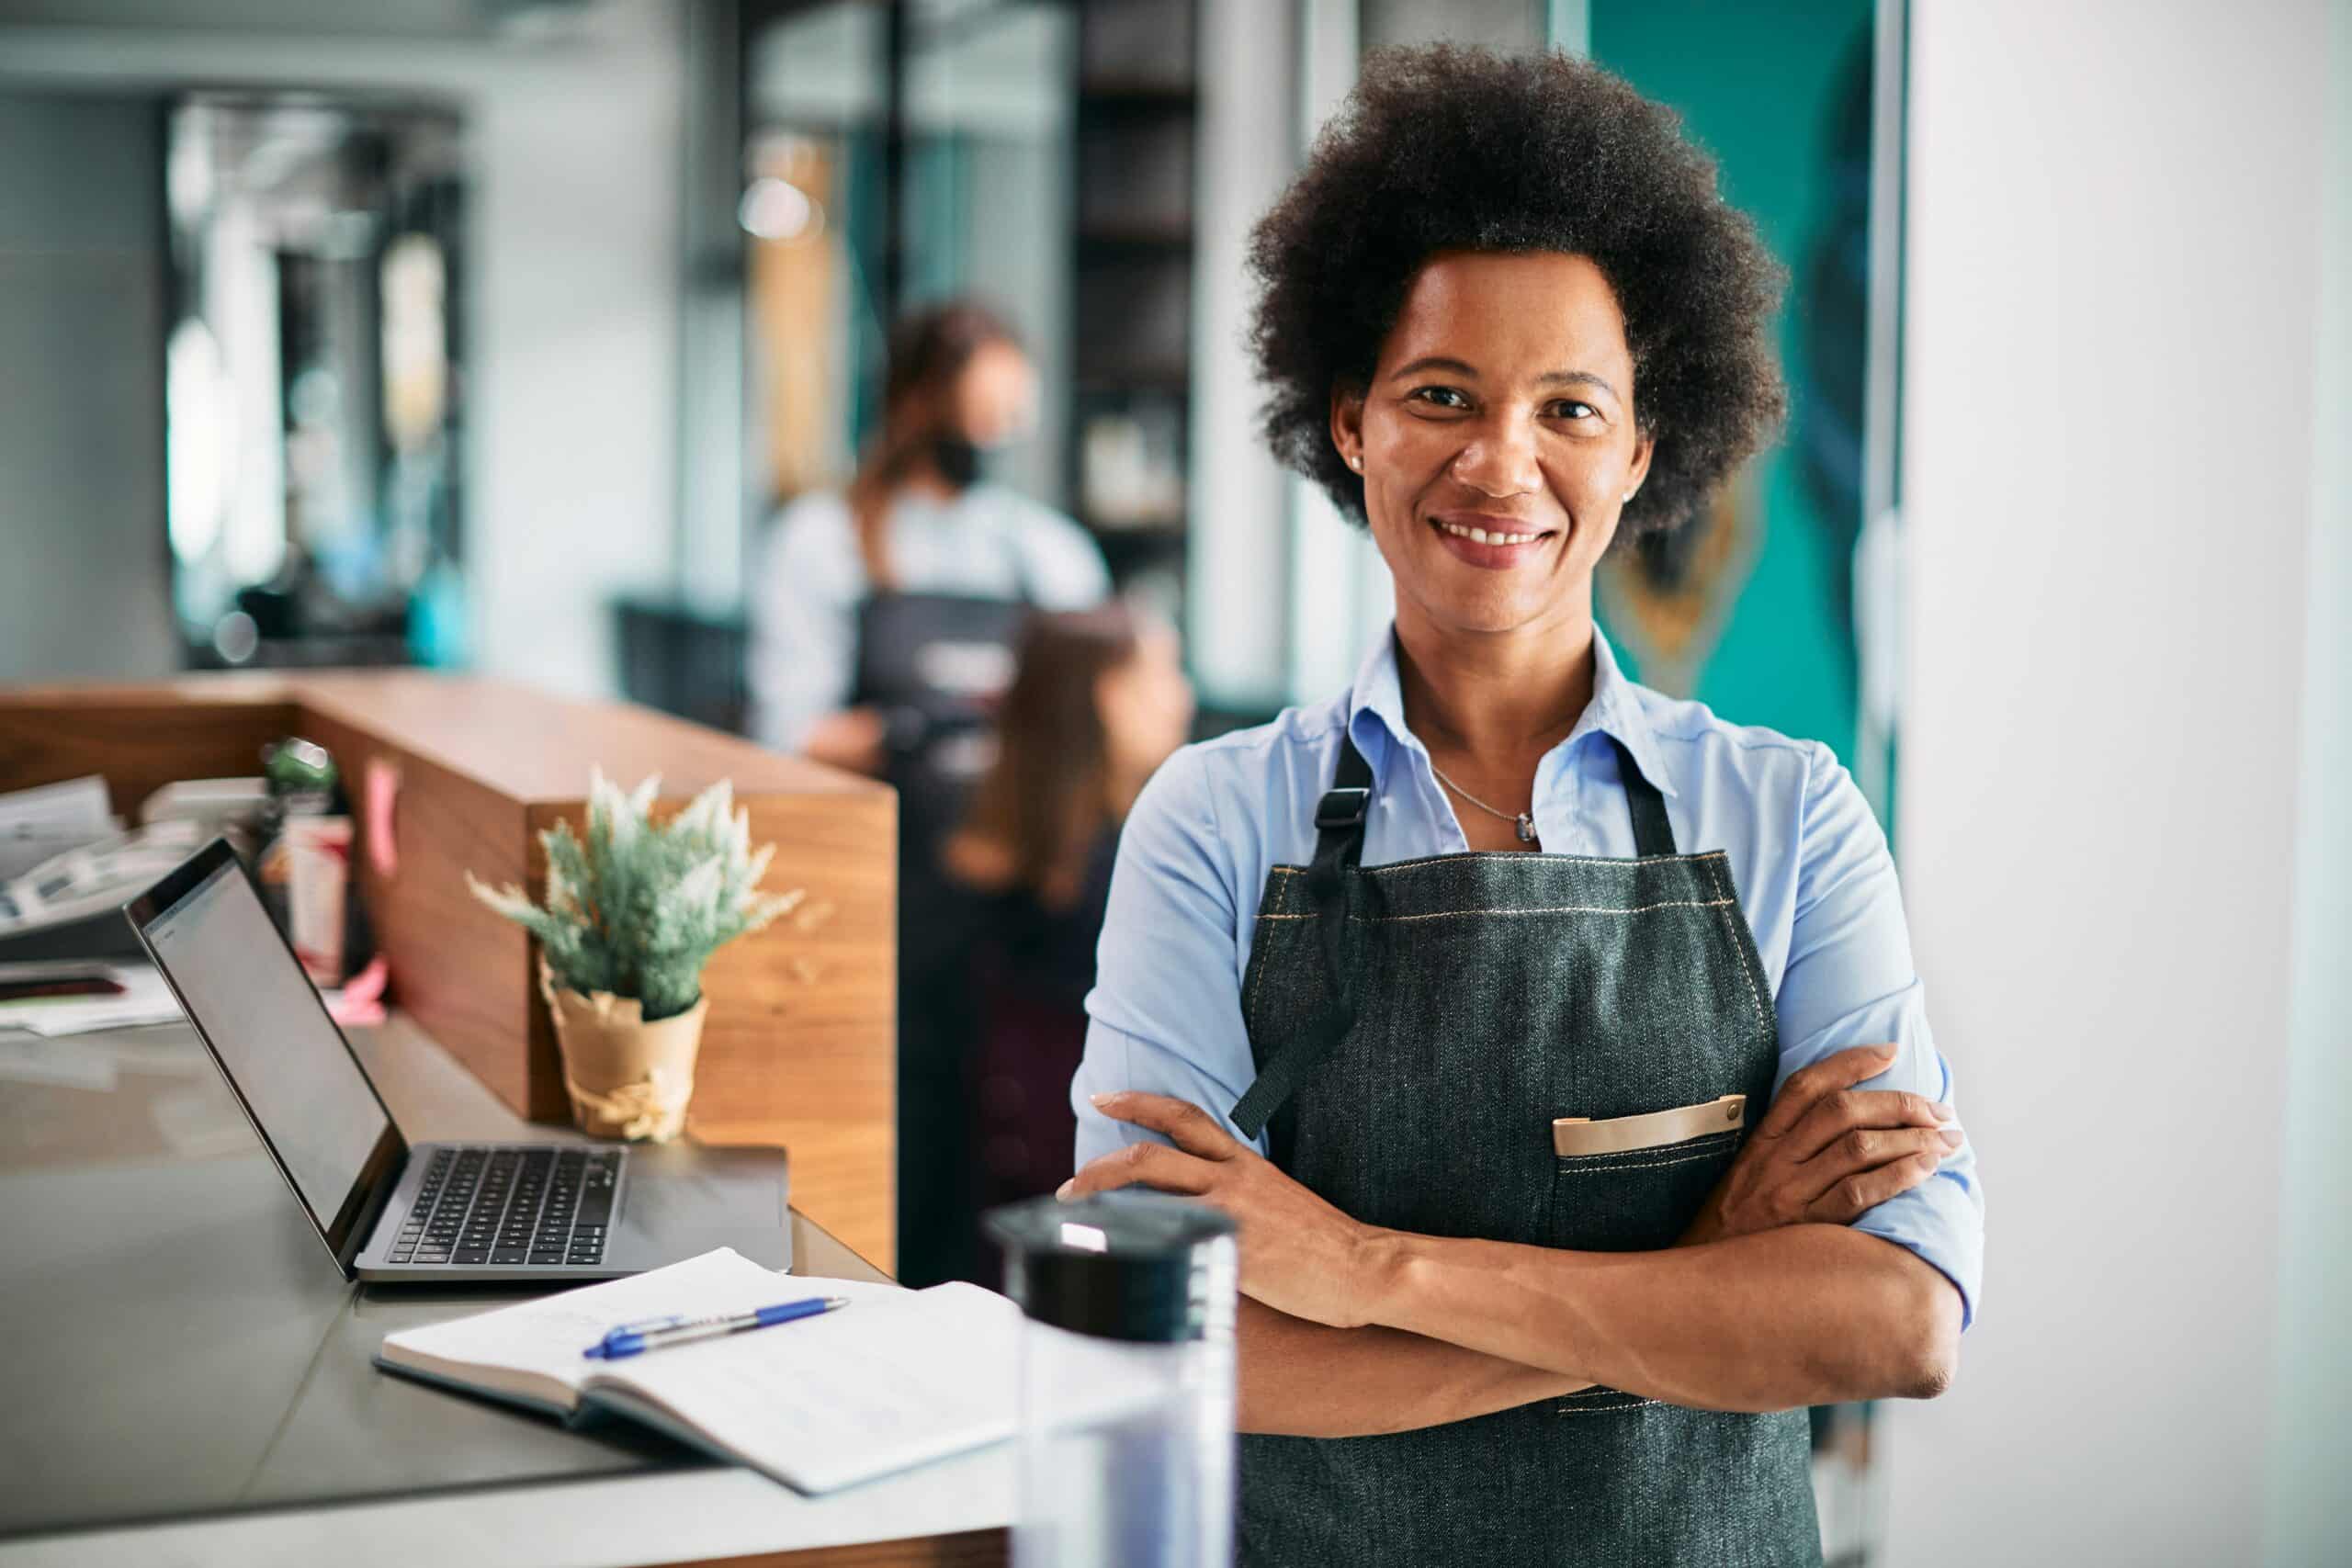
(359,1001)
(382,793)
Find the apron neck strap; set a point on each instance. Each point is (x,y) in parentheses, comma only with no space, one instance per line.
(1341,816)
(1340,820)
(1653,834)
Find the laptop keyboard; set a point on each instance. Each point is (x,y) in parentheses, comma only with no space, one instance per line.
(508,1206)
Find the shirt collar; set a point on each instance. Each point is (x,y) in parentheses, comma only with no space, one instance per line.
(1376,713)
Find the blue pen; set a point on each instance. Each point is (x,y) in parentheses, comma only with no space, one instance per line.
(653,1333)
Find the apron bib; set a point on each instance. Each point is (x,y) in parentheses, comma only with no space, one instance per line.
(936,663)
(1417,1028)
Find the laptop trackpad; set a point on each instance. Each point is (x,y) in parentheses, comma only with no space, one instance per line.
(673,1190)
(682,1201)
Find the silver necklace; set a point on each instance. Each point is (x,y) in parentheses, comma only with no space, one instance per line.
(1524,820)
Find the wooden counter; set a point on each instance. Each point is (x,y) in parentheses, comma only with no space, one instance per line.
(799,1046)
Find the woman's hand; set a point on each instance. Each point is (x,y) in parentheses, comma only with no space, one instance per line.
(1299,1255)
(1826,1151)
(850,739)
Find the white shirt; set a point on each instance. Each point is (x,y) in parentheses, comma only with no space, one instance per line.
(989,542)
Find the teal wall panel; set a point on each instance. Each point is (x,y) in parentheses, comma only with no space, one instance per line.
(1779,93)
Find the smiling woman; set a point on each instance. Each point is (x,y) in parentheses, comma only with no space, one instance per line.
(1645,1127)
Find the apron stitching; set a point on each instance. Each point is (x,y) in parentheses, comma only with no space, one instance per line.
(1678,1146)
(1715,871)
(1513,857)
(1568,1170)
(1259,968)
(1555,909)
(1598,1409)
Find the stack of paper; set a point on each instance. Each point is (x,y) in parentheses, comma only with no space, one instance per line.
(97,878)
(36,825)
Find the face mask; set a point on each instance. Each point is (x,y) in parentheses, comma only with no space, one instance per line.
(957,459)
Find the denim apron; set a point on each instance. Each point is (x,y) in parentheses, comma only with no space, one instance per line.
(935,664)
(1416,1028)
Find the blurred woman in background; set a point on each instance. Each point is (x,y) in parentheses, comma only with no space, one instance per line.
(882,633)
(1100,702)
(919,555)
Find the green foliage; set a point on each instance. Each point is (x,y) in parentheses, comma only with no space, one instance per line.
(636,907)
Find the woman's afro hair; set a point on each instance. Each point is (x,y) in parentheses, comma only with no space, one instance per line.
(1451,149)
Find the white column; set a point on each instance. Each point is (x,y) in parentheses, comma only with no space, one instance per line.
(1238,527)
(2310,1430)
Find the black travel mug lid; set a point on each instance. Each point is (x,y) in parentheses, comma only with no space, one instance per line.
(1135,1266)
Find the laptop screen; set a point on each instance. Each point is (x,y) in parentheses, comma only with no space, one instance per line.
(256,1009)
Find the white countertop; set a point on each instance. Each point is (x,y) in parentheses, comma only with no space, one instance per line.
(619,1523)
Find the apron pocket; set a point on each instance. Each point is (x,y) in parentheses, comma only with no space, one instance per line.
(1650,1129)
(1635,1199)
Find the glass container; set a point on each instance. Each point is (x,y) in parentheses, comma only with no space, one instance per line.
(1127,1450)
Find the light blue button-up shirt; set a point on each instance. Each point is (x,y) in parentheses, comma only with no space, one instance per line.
(1810,864)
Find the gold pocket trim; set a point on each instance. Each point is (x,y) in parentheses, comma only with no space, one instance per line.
(1655,1129)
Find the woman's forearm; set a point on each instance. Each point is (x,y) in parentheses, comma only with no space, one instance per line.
(1807,1314)
(1305,1380)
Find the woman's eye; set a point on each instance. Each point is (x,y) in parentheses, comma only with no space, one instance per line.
(1440,396)
(1569,408)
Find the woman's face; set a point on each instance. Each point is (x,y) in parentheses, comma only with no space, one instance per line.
(994,398)
(1496,440)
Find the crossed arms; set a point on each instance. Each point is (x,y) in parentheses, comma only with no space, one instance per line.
(1769,1302)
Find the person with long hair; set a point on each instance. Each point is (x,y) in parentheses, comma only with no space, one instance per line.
(1100,701)
(920,550)
(883,626)
(1556,1043)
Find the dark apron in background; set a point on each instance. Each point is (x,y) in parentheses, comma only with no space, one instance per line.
(1417,1028)
(934,666)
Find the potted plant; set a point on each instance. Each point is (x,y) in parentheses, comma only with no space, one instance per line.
(632,911)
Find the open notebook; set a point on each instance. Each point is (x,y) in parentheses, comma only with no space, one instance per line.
(896,1379)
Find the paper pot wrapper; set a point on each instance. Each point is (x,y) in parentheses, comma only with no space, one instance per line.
(627,1078)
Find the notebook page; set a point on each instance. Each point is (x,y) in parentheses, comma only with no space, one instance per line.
(877,1387)
(534,1347)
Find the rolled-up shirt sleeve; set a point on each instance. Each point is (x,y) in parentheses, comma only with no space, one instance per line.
(1850,981)
(1165,1013)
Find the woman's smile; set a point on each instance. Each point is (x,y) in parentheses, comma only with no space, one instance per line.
(1490,542)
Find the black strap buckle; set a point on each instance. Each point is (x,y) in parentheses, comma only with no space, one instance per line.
(1342,808)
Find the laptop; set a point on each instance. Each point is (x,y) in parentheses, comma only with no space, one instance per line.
(391,1210)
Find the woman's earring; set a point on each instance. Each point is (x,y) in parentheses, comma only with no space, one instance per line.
(1356,462)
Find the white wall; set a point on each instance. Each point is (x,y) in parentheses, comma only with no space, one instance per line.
(574,446)
(572,427)
(2108,479)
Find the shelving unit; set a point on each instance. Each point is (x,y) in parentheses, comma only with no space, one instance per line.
(1131,285)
